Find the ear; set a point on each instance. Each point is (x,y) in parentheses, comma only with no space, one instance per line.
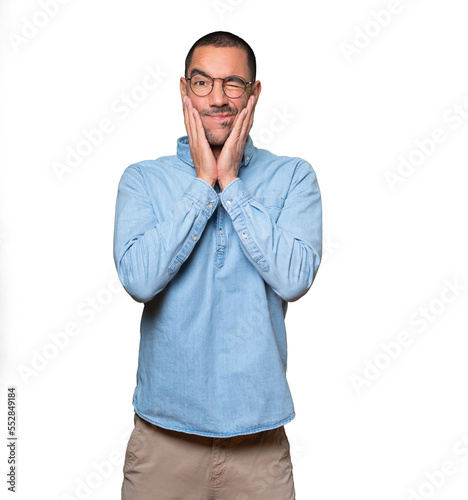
(183,88)
(257,88)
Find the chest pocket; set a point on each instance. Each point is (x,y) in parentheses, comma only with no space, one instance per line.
(273,205)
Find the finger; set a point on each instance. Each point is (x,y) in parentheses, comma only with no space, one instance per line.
(199,125)
(252,114)
(237,125)
(186,120)
(196,123)
(191,119)
(248,121)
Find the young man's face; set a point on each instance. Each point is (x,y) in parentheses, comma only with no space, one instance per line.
(217,111)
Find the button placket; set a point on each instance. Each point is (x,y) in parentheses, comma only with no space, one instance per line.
(220,238)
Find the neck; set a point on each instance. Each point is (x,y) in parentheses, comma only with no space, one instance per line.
(216,151)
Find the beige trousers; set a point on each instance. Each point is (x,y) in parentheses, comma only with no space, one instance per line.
(162,464)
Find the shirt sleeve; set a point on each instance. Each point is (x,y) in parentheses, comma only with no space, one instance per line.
(148,252)
(286,253)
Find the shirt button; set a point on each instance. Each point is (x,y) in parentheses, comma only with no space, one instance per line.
(194,238)
(248,158)
(210,205)
(228,202)
(220,231)
(244,236)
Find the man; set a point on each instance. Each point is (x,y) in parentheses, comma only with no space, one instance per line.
(215,241)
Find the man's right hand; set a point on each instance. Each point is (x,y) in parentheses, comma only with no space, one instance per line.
(200,150)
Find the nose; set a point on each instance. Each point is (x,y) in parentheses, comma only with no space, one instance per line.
(217,96)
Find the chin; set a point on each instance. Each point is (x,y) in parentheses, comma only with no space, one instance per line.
(216,139)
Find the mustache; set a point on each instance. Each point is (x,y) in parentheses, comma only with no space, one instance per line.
(217,111)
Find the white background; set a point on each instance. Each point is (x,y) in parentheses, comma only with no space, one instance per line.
(387,252)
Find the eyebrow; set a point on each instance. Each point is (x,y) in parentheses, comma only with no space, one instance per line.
(197,71)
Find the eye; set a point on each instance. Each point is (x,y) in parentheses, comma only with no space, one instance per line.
(235,82)
(200,81)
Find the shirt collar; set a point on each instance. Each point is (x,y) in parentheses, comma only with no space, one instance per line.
(183,151)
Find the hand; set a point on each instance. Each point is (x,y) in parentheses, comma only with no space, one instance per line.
(200,150)
(230,157)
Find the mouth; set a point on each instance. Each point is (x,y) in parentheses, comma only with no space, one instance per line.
(219,117)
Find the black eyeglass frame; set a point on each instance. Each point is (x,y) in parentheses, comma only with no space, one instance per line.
(223,79)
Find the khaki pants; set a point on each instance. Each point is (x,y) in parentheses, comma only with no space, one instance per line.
(162,464)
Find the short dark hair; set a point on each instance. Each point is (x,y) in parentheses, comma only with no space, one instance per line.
(224,39)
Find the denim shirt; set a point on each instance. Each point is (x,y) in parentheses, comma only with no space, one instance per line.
(215,271)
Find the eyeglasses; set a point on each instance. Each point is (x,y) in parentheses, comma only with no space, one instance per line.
(233,86)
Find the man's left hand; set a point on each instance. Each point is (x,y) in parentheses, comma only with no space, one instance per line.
(230,157)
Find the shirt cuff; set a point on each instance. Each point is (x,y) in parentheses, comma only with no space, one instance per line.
(233,196)
(203,195)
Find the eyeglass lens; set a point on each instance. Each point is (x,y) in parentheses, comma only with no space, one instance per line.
(202,85)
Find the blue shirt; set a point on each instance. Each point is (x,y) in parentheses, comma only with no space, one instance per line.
(215,271)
